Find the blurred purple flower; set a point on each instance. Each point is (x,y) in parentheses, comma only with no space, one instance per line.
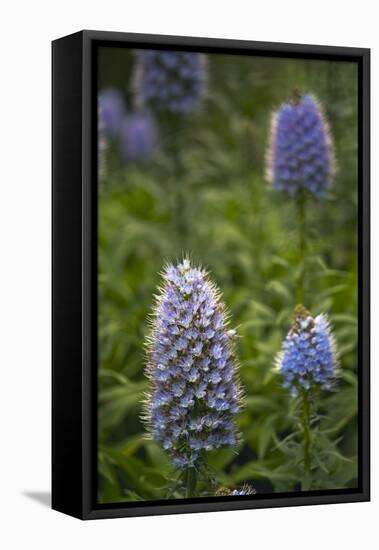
(169,81)
(102,144)
(112,111)
(138,137)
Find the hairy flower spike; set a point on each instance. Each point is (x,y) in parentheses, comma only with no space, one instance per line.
(300,153)
(112,111)
(169,81)
(195,393)
(138,137)
(308,359)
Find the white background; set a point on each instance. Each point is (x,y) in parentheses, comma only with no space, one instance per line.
(27,29)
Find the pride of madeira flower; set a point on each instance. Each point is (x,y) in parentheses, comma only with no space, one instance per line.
(102,145)
(195,392)
(138,137)
(308,359)
(169,81)
(111,111)
(300,153)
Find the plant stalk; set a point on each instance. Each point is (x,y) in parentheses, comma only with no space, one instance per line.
(190,481)
(179,191)
(301,215)
(306,442)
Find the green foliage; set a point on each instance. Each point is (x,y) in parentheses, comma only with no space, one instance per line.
(246,235)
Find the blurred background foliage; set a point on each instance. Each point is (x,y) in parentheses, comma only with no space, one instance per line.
(245,234)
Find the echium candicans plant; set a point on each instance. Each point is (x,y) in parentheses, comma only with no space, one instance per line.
(171,85)
(102,145)
(169,81)
(308,363)
(195,391)
(112,111)
(138,137)
(300,162)
(308,359)
(300,154)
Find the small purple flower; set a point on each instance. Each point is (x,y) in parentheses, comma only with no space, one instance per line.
(300,154)
(169,81)
(111,110)
(195,389)
(138,137)
(308,359)
(245,490)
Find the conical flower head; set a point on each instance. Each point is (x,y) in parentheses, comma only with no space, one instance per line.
(300,153)
(195,393)
(169,81)
(308,359)
(138,137)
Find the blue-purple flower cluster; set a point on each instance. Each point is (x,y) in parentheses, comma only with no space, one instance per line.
(102,144)
(136,133)
(308,359)
(167,81)
(300,153)
(195,392)
(111,110)
(138,137)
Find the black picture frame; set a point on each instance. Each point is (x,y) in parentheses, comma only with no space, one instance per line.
(74,274)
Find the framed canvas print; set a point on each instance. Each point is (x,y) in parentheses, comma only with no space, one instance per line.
(210,275)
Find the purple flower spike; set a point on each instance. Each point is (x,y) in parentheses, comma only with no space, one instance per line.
(300,153)
(191,409)
(308,359)
(169,81)
(102,145)
(112,111)
(138,138)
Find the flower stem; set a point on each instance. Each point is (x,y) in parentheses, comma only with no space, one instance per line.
(180,214)
(301,211)
(306,442)
(190,481)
